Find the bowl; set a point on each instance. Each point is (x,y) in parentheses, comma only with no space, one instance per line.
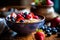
(25,28)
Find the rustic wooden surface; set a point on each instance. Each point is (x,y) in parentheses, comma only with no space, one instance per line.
(7,36)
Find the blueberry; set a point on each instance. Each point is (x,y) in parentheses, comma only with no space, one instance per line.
(25,13)
(58,28)
(42,27)
(49,34)
(49,28)
(54,31)
(47,31)
(21,21)
(53,28)
(12,19)
(11,10)
(46,27)
(8,18)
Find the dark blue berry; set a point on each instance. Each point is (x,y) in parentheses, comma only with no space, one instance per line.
(25,13)
(12,19)
(53,28)
(49,28)
(49,34)
(47,31)
(42,27)
(11,10)
(54,31)
(8,18)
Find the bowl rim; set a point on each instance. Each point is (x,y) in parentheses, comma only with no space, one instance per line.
(28,23)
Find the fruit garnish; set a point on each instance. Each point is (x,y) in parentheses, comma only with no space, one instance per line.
(40,35)
(28,17)
(49,2)
(13,14)
(19,16)
(49,34)
(32,14)
(36,17)
(25,13)
(12,19)
(21,13)
(55,22)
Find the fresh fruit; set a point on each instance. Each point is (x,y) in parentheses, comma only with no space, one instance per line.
(8,18)
(31,14)
(54,31)
(25,14)
(11,9)
(40,35)
(42,27)
(28,17)
(49,2)
(13,14)
(55,22)
(49,28)
(36,17)
(19,16)
(23,17)
(49,34)
(12,19)
(47,31)
(53,28)
(21,13)
(18,19)
(45,26)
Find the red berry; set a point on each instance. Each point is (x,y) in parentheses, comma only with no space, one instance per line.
(19,16)
(36,17)
(32,14)
(21,13)
(55,22)
(13,14)
(28,16)
(18,19)
(39,36)
(49,2)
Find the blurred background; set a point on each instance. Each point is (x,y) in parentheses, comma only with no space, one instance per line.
(4,3)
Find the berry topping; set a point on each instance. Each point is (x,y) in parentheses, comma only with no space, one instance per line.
(13,14)
(19,16)
(28,16)
(23,17)
(25,13)
(36,17)
(12,19)
(32,15)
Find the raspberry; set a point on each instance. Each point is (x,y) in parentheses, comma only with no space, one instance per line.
(36,17)
(28,17)
(32,15)
(13,14)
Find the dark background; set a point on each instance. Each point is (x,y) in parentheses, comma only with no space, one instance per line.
(57,5)
(4,3)
(9,2)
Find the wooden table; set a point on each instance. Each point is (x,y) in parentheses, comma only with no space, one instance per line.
(8,36)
